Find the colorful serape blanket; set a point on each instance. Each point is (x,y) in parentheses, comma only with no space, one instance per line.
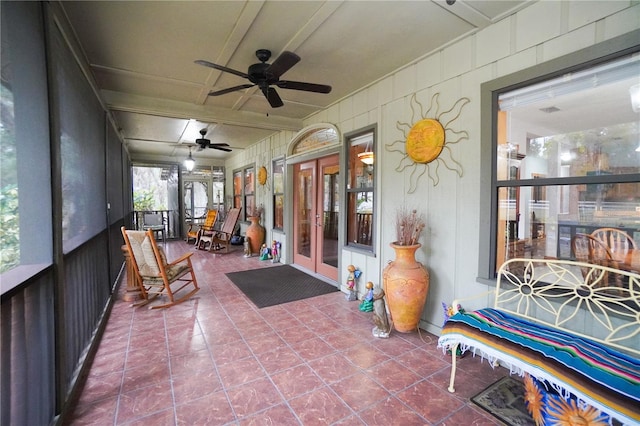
(597,375)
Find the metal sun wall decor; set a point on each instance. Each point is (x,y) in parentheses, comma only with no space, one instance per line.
(426,141)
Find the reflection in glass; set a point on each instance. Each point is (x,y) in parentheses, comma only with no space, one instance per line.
(305,203)
(331,211)
(566,161)
(278,193)
(360,190)
(537,228)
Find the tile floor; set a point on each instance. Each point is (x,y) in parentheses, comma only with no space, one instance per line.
(218,360)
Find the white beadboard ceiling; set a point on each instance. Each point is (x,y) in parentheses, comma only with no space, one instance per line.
(142,54)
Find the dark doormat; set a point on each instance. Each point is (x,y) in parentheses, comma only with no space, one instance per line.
(278,284)
(504,400)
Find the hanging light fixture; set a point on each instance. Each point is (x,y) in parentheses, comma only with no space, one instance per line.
(189,163)
(367,156)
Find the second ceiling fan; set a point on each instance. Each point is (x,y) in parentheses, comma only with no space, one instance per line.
(265,75)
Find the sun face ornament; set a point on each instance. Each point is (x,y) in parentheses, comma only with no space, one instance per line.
(426,141)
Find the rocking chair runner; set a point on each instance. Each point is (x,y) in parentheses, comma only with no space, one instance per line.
(222,238)
(154,275)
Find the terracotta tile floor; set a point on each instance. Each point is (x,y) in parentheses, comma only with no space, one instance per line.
(218,360)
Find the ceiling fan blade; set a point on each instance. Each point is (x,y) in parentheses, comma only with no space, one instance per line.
(220,147)
(282,64)
(272,96)
(230,89)
(220,68)
(299,85)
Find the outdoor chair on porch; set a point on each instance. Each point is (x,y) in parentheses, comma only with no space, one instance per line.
(156,277)
(195,231)
(222,238)
(155,223)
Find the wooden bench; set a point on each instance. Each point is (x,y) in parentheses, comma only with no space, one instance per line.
(572,326)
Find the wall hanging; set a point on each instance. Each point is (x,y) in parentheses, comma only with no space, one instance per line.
(425,141)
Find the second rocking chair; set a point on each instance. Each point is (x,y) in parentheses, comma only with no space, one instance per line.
(154,275)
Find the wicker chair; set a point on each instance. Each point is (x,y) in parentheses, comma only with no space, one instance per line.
(156,277)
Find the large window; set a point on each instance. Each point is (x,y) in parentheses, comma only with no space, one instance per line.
(566,162)
(360,188)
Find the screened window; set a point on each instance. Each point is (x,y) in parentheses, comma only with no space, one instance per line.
(567,162)
(278,193)
(360,188)
(25,173)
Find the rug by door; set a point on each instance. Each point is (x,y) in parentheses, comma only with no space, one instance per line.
(278,284)
(504,400)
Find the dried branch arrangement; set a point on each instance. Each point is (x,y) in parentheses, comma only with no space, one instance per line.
(409,226)
(257,211)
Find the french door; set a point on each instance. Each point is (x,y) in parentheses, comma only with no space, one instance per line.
(315,218)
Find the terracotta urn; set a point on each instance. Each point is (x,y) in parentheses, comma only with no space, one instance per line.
(255,232)
(406,284)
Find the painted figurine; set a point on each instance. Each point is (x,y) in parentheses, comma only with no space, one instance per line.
(380,318)
(275,251)
(351,283)
(247,248)
(367,302)
(265,252)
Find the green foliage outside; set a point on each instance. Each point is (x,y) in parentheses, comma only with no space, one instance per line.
(9,223)
(143,200)
(9,228)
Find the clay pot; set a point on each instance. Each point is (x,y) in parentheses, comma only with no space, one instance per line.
(406,284)
(255,232)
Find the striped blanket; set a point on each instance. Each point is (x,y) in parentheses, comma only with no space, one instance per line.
(599,376)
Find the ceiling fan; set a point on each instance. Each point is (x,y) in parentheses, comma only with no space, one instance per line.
(266,75)
(206,143)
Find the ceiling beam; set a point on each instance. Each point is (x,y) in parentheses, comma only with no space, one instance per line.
(119,101)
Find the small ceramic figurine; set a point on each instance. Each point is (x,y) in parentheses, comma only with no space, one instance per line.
(265,252)
(351,283)
(247,248)
(367,302)
(449,311)
(380,318)
(275,251)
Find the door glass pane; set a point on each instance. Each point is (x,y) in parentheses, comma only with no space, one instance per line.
(195,200)
(305,204)
(331,209)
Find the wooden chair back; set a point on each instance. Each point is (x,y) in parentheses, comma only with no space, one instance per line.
(231,221)
(210,220)
(617,241)
(218,240)
(588,249)
(154,275)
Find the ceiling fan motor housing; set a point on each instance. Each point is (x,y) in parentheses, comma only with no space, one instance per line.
(257,74)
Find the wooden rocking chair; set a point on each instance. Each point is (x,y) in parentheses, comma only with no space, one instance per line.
(222,238)
(195,231)
(155,277)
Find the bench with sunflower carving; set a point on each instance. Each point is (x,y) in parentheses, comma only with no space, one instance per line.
(571,329)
